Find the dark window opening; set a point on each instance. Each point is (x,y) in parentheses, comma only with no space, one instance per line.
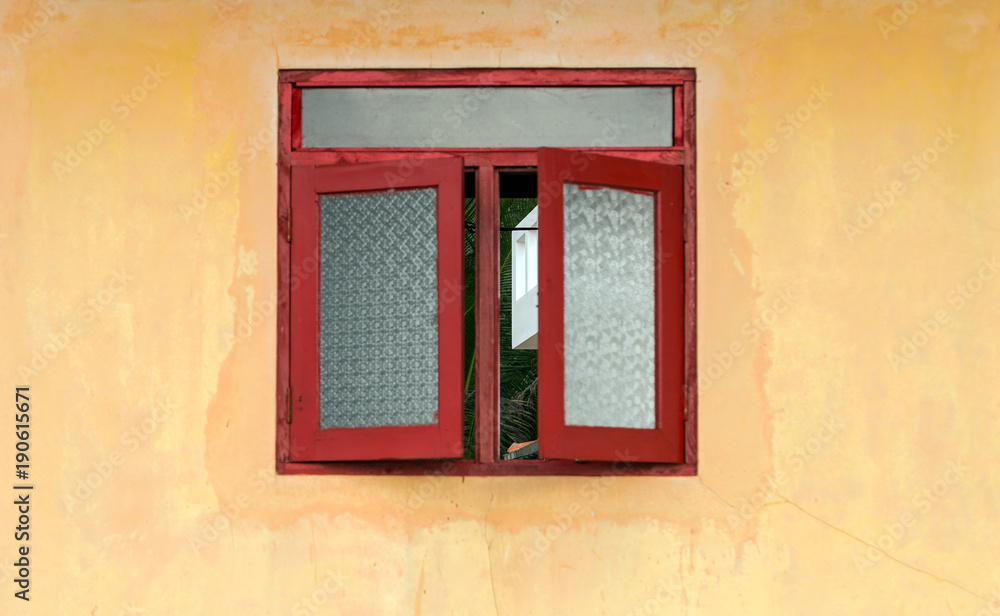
(518,191)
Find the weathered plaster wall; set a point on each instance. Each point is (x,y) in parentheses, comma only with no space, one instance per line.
(138,312)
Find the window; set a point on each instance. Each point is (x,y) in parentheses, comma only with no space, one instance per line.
(437,209)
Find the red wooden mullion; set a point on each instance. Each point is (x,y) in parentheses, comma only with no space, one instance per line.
(487,316)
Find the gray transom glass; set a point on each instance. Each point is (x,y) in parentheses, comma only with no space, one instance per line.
(488,117)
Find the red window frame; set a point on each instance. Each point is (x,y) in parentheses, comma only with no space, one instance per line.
(664,442)
(440,440)
(487,164)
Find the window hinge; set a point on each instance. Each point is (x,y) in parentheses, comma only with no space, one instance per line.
(288,227)
(288,404)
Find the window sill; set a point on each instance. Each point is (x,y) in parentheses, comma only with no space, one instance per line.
(471,468)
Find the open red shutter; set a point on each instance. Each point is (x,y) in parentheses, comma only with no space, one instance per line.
(611,308)
(377,310)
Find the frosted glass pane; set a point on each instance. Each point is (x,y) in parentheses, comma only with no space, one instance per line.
(378,309)
(487,117)
(609,308)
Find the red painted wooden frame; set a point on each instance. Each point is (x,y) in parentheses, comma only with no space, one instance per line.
(360,78)
(556,439)
(441,440)
(487,163)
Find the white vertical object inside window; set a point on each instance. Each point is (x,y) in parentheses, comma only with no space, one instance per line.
(524,282)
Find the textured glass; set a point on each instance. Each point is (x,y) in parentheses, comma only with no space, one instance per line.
(609,306)
(378,344)
(567,117)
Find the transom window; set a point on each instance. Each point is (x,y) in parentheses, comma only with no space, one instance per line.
(505,279)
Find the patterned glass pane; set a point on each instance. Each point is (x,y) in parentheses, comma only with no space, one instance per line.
(378,309)
(609,307)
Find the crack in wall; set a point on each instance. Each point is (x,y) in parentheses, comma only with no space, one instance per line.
(785,500)
(731,505)
(720,497)
(887,555)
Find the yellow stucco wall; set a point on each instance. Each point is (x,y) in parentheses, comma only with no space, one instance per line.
(835,478)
